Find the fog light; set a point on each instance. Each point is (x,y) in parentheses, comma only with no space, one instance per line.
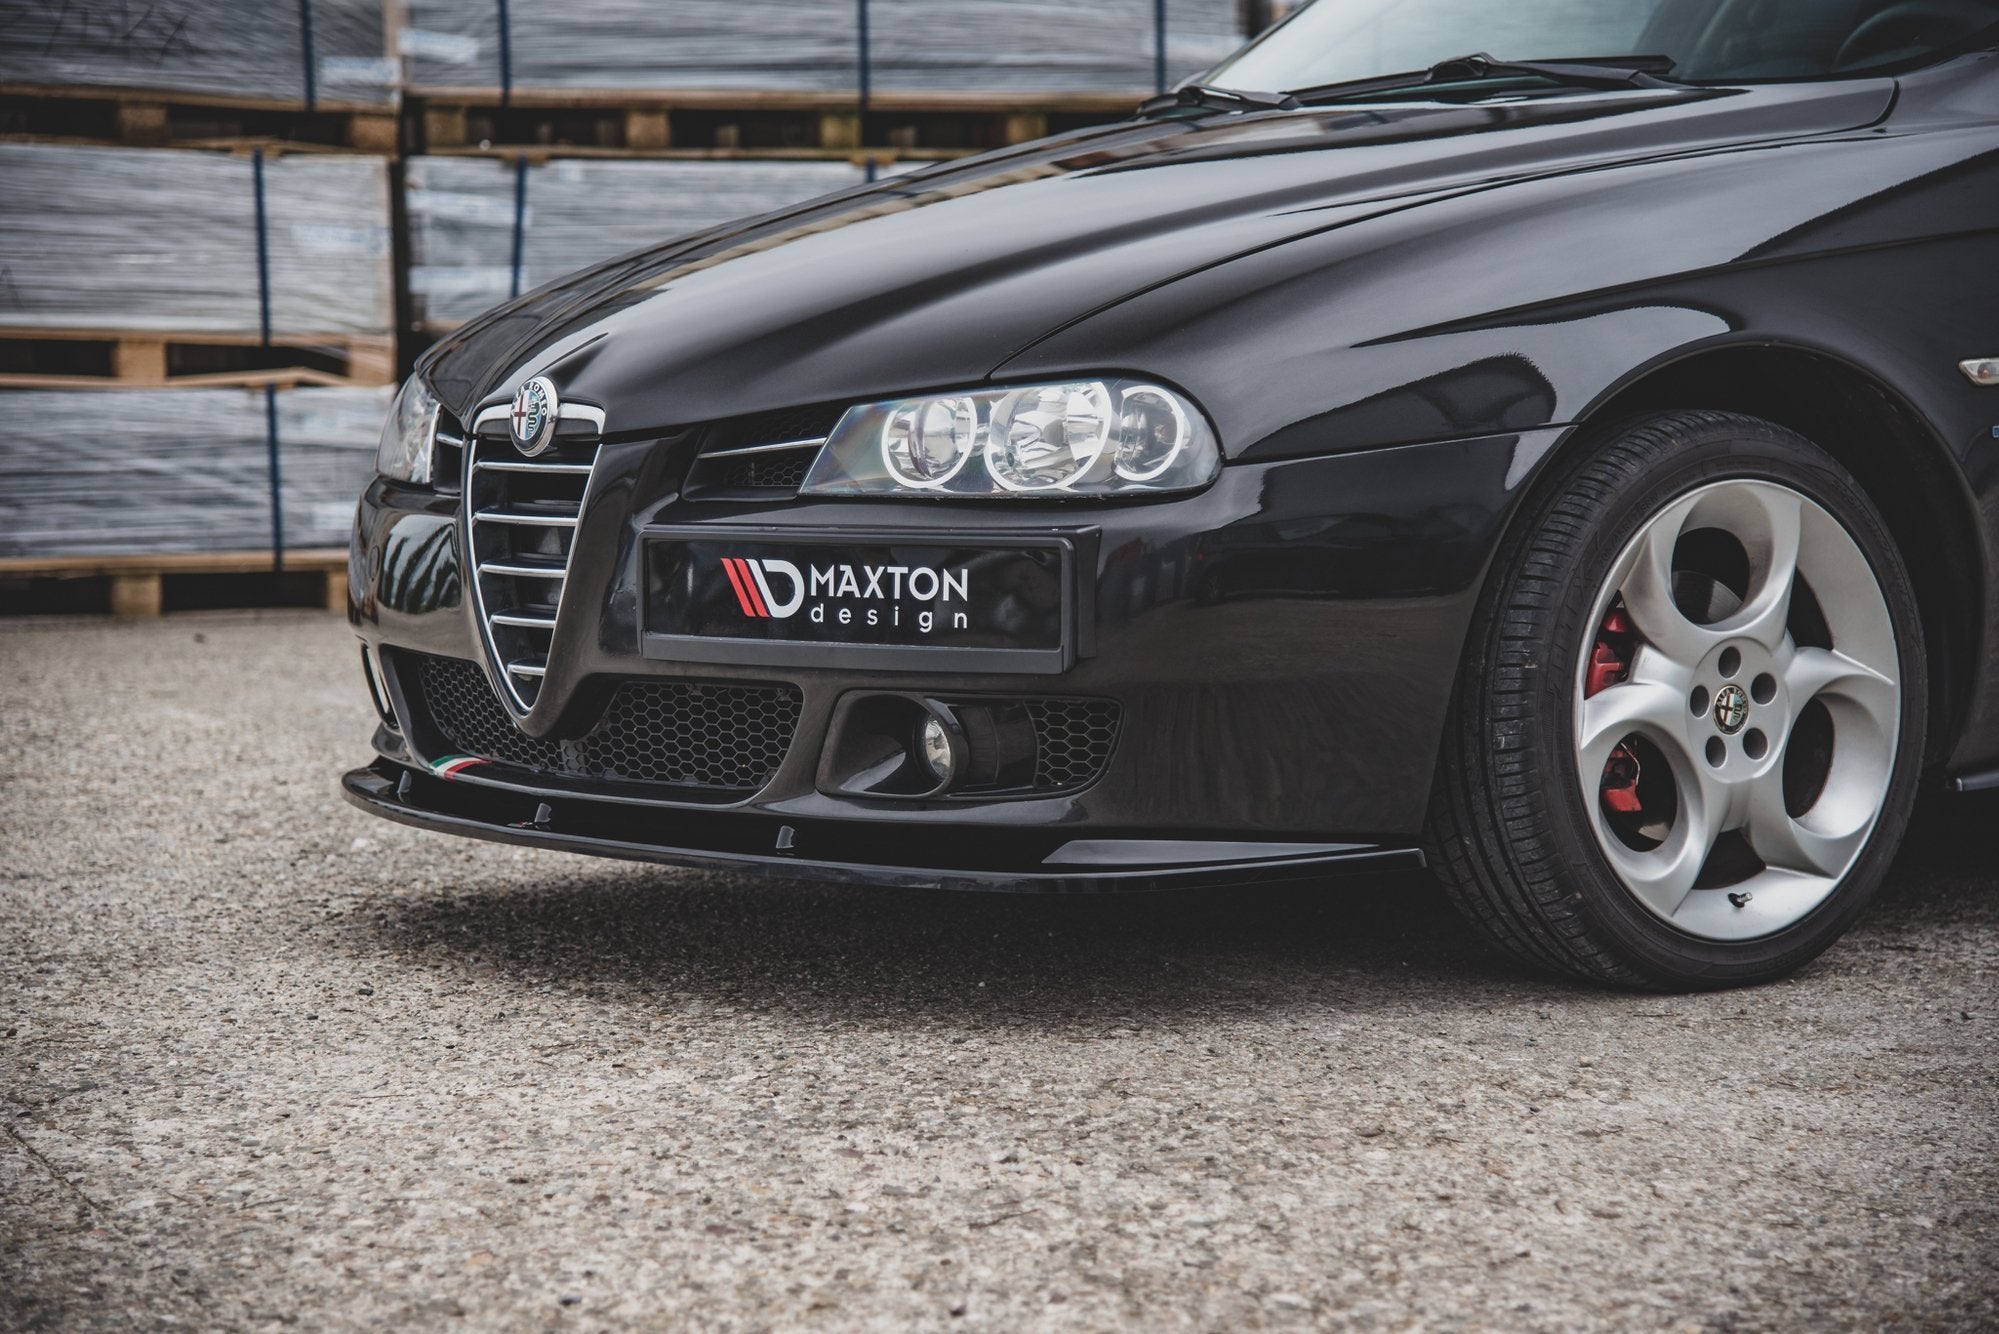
(934,741)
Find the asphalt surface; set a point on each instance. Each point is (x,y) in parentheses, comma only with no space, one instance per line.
(267,1060)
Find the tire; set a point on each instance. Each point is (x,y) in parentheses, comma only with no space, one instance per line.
(1600,730)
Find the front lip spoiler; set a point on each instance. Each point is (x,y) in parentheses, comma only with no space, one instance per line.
(602,829)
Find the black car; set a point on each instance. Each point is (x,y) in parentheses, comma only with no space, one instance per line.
(1573,468)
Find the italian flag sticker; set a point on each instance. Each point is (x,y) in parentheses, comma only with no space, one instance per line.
(453,765)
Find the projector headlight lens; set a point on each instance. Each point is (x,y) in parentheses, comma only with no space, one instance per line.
(1048,438)
(1072,439)
(1152,429)
(926,442)
(404,452)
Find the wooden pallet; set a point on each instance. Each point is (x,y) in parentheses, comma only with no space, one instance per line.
(733,121)
(151,119)
(883,158)
(137,583)
(91,358)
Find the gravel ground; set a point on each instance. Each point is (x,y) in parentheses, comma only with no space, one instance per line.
(266,1059)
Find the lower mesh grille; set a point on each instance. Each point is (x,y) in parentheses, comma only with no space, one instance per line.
(715,737)
(465,710)
(785,468)
(685,734)
(695,735)
(1072,740)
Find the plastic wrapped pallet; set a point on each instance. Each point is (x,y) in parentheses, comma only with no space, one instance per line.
(159,240)
(315,53)
(125,471)
(931,46)
(998,46)
(574,213)
(781,45)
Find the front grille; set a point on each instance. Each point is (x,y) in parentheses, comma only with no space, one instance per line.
(676,733)
(1072,740)
(763,455)
(522,516)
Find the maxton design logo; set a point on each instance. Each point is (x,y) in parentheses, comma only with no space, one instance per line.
(846,594)
(751,580)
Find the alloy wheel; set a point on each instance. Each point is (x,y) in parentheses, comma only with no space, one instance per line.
(1738,711)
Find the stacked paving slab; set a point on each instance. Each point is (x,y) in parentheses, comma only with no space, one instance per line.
(228,225)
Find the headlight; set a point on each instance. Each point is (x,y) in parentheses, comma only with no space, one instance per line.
(404,453)
(1078,438)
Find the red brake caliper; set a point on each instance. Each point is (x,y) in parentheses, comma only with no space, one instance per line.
(1610,663)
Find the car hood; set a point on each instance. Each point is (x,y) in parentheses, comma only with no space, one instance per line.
(937,277)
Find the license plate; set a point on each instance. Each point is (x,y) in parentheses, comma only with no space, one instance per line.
(1000,606)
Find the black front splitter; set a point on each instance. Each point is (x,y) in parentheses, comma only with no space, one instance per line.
(732,842)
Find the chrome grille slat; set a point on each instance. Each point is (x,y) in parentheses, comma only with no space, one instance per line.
(525,520)
(499,465)
(495,418)
(764,449)
(522,515)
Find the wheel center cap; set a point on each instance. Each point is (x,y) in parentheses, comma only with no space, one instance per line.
(1731,709)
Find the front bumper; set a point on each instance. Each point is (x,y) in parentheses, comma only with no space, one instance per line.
(1282,648)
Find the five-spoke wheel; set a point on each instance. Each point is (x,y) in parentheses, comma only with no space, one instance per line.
(1692,711)
(1738,713)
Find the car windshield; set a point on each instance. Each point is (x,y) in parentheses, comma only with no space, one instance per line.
(1708,41)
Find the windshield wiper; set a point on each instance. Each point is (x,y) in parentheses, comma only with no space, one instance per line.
(1624,72)
(1200,96)
(1618,72)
